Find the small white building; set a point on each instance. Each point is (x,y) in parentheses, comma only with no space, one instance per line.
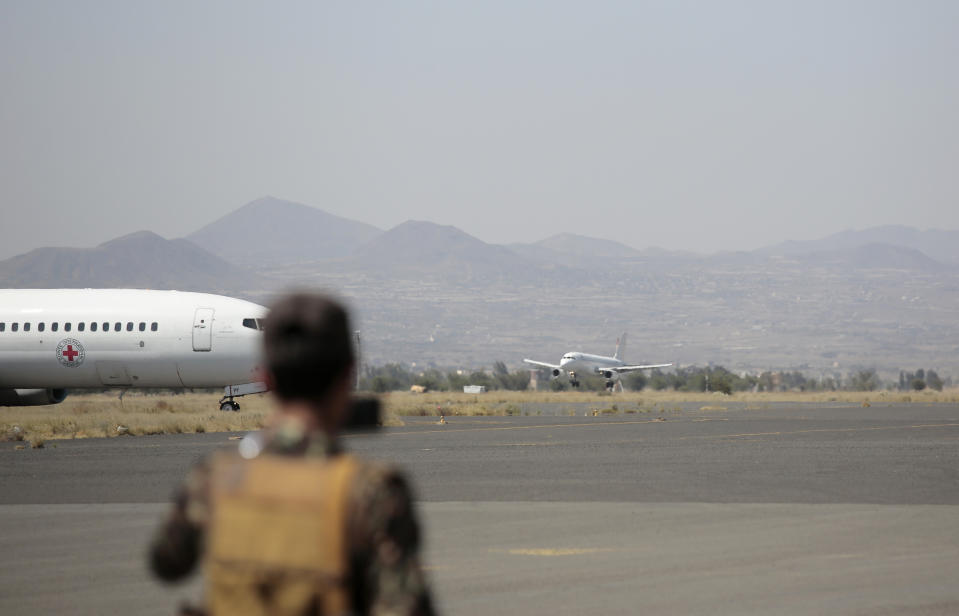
(474,389)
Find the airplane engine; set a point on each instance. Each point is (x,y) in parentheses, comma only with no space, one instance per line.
(556,372)
(31,397)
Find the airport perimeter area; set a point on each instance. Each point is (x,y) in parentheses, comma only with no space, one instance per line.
(786,509)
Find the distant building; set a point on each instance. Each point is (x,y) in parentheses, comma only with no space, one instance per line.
(474,389)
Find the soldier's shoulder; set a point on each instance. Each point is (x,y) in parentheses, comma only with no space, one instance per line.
(383,508)
(372,474)
(381,487)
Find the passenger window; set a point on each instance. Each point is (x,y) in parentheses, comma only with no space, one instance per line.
(143,327)
(129,326)
(41,326)
(106,326)
(93,326)
(54,326)
(26,327)
(117,326)
(153,326)
(81,326)
(66,327)
(15,326)
(3,327)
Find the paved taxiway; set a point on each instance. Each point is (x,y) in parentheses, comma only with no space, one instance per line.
(801,509)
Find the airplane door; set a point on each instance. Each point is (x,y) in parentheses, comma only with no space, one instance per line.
(203,329)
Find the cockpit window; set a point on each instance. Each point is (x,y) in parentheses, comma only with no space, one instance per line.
(253,324)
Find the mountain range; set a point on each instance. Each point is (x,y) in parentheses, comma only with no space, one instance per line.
(880,297)
(271,231)
(139,260)
(939,245)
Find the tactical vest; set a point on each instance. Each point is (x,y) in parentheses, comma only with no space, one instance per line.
(276,540)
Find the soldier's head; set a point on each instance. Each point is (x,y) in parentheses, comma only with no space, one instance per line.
(309,354)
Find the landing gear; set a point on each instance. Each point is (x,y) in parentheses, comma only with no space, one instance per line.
(231,391)
(610,384)
(228,404)
(572,380)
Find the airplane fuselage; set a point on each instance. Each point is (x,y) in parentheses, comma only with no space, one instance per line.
(584,363)
(576,364)
(91,338)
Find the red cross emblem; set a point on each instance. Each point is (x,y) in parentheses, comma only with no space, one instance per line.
(70,352)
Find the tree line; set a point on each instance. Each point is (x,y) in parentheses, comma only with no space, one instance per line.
(399,377)
(919,380)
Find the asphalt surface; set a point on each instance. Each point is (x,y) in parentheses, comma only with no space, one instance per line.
(791,509)
(892,455)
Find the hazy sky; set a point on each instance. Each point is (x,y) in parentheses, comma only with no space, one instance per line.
(688,125)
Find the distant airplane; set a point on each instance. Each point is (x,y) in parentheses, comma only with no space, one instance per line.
(576,364)
(52,340)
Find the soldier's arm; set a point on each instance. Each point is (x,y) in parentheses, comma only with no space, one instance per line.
(393,580)
(175,549)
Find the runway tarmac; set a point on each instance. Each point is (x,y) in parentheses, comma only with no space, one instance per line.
(788,510)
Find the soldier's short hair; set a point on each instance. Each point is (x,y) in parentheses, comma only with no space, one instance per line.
(307,344)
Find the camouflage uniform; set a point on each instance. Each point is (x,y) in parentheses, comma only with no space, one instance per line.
(383,536)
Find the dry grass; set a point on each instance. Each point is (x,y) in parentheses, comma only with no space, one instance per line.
(101,415)
(104,415)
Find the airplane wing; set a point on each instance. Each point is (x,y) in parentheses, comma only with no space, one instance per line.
(542,364)
(620,369)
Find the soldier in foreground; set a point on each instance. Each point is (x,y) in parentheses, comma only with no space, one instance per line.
(290,524)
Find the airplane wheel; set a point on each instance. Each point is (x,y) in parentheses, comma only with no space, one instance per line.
(228,406)
(235,405)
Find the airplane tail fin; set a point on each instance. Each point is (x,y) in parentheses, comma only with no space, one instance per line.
(620,347)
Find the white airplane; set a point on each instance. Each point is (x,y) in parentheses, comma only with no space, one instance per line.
(576,364)
(52,340)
